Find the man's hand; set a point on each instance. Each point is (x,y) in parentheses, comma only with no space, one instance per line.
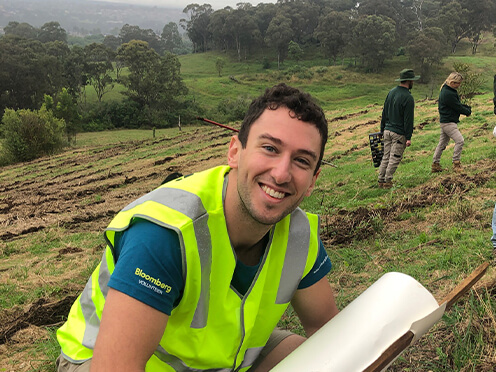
(130,331)
(408,143)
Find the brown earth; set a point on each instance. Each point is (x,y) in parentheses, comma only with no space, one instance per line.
(82,189)
(72,191)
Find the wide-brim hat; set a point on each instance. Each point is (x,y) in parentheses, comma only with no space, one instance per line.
(407,74)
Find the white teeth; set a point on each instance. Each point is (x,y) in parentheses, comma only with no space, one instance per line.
(273,193)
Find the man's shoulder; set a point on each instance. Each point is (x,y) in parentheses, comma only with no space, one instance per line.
(399,90)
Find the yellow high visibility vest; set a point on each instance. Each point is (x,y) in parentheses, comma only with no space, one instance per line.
(213,328)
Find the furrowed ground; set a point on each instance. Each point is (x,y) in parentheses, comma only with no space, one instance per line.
(434,227)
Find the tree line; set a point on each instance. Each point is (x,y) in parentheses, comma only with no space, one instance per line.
(43,78)
(369,31)
(40,69)
(38,62)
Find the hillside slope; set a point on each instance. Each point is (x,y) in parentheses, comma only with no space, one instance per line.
(434,227)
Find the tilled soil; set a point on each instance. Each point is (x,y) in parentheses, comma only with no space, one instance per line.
(82,189)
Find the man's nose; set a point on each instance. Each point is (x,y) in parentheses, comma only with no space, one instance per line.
(281,170)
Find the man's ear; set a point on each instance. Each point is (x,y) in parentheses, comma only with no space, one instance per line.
(234,152)
(312,185)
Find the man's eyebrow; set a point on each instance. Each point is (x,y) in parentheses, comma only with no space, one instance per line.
(278,141)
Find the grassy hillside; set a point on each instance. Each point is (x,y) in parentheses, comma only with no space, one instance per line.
(434,227)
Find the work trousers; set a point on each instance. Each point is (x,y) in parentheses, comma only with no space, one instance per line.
(63,365)
(449,131)
(394,147)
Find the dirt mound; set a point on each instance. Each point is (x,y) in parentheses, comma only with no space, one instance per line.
(44,312)
(343,226)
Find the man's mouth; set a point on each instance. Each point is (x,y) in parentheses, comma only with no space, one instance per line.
(272,192)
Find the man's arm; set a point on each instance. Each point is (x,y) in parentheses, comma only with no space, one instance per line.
(315,305)
(130,331)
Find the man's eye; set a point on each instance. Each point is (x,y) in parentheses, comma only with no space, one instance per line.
(270,148)
(302,161)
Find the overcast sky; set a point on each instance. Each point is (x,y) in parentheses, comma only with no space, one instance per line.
(216,4)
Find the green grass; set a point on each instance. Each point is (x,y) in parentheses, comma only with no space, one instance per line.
(438,243)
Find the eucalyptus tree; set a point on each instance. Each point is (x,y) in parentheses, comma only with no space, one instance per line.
(74,74)
(28,72)
(98,68)
(153,81)
(341,5)
(243,29)
(399,11)
(57,53)
(131,32)
(170,37)
(279,34)
(197,25)
(481,18)
(373,40)
(294,51)
(333,33)
(141,61)
(423,10)
(264,13)
(52,31)
(304,15)
(221,37)
(111,41)
(23,29)
(219,65)
(426,50)
(453,19)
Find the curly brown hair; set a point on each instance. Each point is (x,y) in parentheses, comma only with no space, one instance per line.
(301,105)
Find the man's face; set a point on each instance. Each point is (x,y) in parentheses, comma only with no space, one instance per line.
(410,84)
(276,169)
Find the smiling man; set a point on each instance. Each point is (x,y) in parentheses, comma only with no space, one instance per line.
(197,273)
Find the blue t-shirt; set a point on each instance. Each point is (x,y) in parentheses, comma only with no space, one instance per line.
(149,266)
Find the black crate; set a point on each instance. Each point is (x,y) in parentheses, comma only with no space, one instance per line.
(377,148)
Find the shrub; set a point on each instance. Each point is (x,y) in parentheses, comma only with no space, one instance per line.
(31,134)
(321,70)
(233,109)
(472,81)
(265,63)
(104,116)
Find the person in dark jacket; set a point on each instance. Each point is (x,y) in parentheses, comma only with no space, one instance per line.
(396,126)
(450,108)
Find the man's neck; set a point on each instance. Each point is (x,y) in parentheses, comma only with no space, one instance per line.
(250,256)
(246,234)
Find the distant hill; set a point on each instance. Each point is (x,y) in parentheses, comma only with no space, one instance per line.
(86,16)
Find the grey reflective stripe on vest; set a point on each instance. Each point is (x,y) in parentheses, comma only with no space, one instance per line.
(250,356)
(296,256)
(88,306)
(179,365)
(191,206)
